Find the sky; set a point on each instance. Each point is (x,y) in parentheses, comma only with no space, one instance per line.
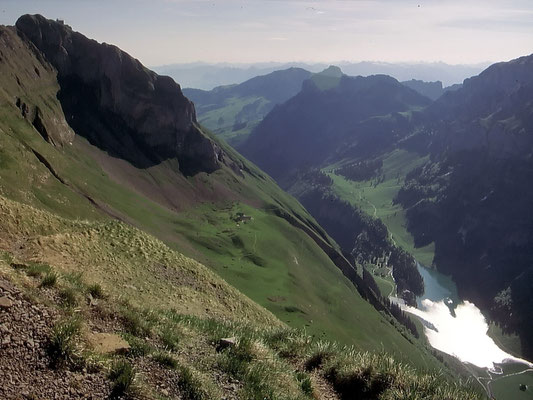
(160,32)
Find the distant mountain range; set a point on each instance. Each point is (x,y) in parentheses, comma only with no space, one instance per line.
(232,111)
(432,90)
(208,76)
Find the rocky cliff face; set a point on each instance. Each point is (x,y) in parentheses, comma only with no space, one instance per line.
(117,104)
(491,111)
(21,73)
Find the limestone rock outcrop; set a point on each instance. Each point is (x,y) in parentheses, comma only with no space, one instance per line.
(119,105)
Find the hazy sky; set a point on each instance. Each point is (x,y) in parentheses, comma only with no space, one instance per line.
(173,31)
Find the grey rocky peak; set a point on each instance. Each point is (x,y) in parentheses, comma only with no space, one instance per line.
(119,105)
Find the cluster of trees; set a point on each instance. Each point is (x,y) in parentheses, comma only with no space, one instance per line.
(360,171)
(369,280)
(401,317)
(315,176)
(405,272)
(393,308)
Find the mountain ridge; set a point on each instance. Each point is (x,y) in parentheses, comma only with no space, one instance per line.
(349,106)
(124,95)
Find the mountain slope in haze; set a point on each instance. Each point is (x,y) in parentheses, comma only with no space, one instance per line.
(473,198)
(491,110)
(358,116)
(232,111)
(234,219)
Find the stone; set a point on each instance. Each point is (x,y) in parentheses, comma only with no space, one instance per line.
(226,342)
(5,286)
(5,302)
(108,343)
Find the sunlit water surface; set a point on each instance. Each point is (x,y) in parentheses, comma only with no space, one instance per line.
(462,332)
(463,336)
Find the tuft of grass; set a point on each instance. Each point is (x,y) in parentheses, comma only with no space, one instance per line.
(212,328)
(235,360)
(75,280)
(96,291)
(322,352)
(305,383)
(166,360)
(37,270)
(7,257)
(138,347)
(190,385)
(123,375)
(288,343)
(62,344)
(49,280)
(170,338)
(134,324)
(68,297)
(257,384)
(354,374)
(359,383)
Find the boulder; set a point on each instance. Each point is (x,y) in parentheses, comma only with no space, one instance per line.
(5,302)
(226,342)
(107,343)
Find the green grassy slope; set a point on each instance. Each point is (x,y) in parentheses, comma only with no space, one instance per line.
(224,120)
